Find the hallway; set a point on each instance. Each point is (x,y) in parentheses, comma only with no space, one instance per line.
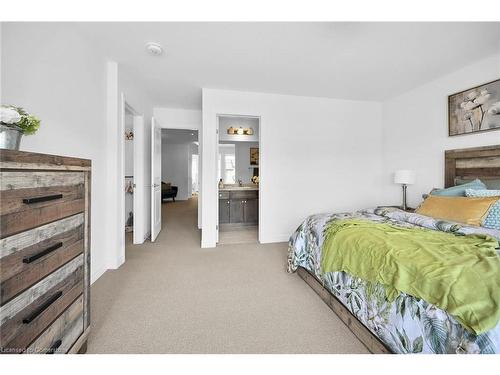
(171,296)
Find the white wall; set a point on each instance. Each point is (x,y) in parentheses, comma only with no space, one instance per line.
(317,155)
(415,127)
(176,118)
(56,73)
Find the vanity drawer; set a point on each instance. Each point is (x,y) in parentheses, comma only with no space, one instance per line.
(242,194)
(32,198)
(30,313)
(28,257)
(61,334)
(223,194)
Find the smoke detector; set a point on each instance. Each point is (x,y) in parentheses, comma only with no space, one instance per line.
(154,49)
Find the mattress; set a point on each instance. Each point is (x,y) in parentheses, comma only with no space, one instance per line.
(407,324)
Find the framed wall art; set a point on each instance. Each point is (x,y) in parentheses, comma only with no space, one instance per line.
(474,110)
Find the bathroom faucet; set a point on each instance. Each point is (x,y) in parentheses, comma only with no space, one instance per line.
(240,183)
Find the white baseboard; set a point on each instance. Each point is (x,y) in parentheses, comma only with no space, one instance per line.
(274,238)
(95,274)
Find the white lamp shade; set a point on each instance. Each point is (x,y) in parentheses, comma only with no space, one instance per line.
(404,176)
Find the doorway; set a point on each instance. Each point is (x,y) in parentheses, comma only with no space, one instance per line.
(238,179)
(176,168)
(133,187)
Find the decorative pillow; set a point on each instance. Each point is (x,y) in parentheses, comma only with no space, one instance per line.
(491,184)
(470,211)
(459,190)
(493,219)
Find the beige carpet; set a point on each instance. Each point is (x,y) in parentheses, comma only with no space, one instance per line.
(232,236)
(171,296)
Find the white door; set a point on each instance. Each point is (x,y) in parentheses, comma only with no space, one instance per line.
(140,183)
(155,179)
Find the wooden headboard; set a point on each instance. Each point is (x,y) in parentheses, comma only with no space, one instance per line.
(469,163)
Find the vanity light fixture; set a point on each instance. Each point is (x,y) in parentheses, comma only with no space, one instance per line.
(240,131)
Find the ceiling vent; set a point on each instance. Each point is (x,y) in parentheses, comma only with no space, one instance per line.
(154,49)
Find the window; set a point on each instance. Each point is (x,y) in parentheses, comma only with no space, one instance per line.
(227,163)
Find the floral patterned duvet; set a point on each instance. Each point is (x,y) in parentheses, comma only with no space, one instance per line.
(408,324)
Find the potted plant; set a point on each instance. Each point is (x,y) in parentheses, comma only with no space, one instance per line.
(14,122)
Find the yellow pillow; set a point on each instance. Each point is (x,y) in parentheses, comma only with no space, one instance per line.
(467,210)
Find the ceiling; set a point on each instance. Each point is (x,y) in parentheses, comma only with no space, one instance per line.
(360,61)
(179,136)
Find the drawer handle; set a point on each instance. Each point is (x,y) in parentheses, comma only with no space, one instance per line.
(42,308)
(42,253)
(42,199)
(54,347)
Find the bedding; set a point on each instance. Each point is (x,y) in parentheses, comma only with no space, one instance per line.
(404,323)
(493,218)
(471,211)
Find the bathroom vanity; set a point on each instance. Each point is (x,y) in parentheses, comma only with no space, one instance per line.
(239,205)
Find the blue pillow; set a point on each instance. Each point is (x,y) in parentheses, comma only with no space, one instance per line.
(493,218)
(459,190)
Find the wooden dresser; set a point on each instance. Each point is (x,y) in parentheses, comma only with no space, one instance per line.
(44,253)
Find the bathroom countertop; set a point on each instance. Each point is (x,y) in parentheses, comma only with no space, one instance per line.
(239,188)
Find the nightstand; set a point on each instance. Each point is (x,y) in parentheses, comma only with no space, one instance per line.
(408,209)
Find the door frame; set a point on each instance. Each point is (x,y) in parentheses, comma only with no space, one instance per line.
(124,107)
(217,116)
(154,186)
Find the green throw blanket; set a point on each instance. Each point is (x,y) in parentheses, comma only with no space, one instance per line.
(459,274)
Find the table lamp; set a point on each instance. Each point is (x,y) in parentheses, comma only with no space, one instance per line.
(404,177)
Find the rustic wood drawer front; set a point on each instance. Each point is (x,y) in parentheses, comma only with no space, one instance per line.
(26,316)
(61,334)
(32,198)
(244,194)
(27,257)
(44,252)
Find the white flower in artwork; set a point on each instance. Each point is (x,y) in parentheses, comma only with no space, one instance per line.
(494,109)
(468,117)
(472,95)
(9,115)
(483,98)
(470,105)
(475,100)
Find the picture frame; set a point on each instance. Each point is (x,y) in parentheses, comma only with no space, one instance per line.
(254,156)
(474,110)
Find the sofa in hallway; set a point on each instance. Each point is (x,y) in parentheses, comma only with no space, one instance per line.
(168,191)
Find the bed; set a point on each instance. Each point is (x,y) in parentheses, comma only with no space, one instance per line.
(405,324)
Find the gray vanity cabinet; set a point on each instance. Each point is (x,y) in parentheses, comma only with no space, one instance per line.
(237,211)
(251,210)
(238,207)
(224,207)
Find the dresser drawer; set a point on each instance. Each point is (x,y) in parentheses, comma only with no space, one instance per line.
(61,334)
(25,317)
(27,257)
(32,198)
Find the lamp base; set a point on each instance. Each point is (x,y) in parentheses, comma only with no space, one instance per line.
(404,207)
